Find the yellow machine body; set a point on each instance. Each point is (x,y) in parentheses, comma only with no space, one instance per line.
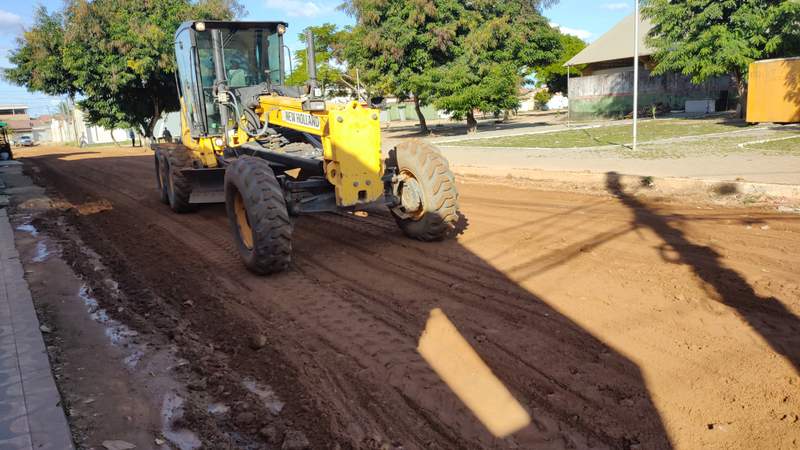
(350,136)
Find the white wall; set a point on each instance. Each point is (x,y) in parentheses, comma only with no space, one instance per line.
(64,131)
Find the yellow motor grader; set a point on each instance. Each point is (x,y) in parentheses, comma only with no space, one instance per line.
(271,151)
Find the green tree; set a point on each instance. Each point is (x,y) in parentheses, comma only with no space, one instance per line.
(326,44)
(708,38)
(116,55)
(38,60)
(460,56)
(396,44)
(496,45)
(554,75)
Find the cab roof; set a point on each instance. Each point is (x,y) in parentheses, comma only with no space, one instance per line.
(228,24)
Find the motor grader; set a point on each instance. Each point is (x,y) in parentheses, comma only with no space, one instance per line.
(271,151)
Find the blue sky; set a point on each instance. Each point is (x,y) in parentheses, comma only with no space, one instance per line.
(587,19)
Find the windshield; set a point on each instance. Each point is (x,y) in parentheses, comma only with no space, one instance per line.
(252,56)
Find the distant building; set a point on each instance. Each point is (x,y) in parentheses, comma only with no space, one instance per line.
(40,128)
(74,128)
(17,118)
(605,88)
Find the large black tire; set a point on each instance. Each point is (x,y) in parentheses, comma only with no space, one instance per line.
(179,188)
(161,175)
(439,213)
(258,216)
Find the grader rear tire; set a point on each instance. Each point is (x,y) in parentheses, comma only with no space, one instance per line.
(161,176)
(258,216)
(179,188)
(424,169)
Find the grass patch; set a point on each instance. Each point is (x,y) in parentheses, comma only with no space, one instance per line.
(783,146)
(608,135)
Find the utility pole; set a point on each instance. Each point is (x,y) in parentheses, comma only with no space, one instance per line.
(636,76)
(569,103)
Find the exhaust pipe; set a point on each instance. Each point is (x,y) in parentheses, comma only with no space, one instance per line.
(311,63)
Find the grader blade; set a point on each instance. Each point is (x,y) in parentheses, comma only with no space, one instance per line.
(207,185)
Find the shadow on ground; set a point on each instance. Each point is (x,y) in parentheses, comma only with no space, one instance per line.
(360,298)
(767,316)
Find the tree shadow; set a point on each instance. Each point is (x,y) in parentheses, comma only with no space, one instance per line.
(793,88)
(767,316)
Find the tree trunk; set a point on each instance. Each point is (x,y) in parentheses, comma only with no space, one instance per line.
(151,126)
(741,88)
(423,125)
(74,125)
(472,124)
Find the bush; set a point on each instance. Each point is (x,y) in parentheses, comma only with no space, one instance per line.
(542,97)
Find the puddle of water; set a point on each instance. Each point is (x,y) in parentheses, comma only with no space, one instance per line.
(218,409)
(28,228)
(267,396)
(172,409)
(133,359)
(118,333)
(41,252)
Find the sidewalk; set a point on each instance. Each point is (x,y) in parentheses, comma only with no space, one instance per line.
(691,162)
(754,168)
(31,416)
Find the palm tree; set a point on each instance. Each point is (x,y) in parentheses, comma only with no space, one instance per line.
(67,109)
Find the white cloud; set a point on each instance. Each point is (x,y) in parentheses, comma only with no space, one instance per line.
(583,34)
(9,19)
(301,8)
(617,6)
(10,23)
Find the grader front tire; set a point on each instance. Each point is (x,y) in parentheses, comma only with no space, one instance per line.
(258,216)
(422,168)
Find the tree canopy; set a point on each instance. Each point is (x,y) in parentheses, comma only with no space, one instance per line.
(460,56)
(116,55)
(327,42)
(554,75)
(396,44)
(707,38)
(497,44)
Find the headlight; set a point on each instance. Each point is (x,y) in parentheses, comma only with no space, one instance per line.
(314,105)
(200,26)
(281,29)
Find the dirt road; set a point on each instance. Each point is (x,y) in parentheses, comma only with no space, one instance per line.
(615,323)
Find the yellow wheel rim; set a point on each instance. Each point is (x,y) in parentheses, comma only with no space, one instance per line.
(245,232)
(414,184)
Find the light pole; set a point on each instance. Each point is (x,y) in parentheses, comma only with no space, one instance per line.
(635,75)
(569,105)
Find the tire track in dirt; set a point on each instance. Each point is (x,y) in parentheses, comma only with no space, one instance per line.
(346,317)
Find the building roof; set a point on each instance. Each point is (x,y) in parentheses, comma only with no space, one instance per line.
(616,43)
(24,124)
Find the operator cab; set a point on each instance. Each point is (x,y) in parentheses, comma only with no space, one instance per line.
(253,63)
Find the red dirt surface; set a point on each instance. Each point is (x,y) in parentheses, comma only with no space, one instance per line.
(614,321)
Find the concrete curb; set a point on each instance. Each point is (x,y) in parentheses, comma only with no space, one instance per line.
(661,185)
(31,416)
